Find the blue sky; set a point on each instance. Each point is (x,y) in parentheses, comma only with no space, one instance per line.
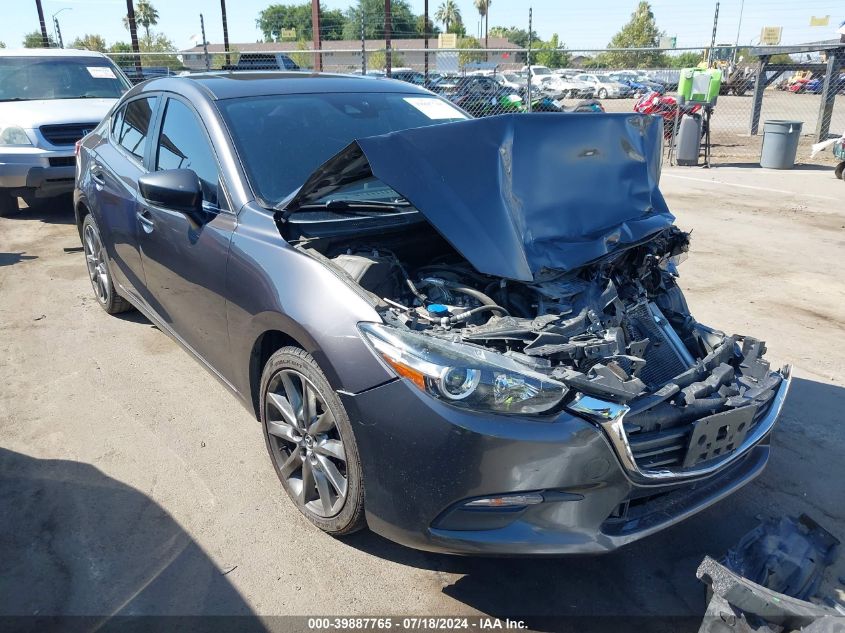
(580,24)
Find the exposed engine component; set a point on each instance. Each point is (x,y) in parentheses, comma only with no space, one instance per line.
(618,328)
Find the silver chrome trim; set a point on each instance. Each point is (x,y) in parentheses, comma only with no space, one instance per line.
(610,415)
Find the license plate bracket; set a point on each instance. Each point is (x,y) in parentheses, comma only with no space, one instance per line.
(718,434)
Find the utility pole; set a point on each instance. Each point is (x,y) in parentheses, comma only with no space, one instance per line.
(204,45)
(315,32)
(388,28)
(738,28)
(225,32)
(45,39)
(528,56)
(713,39)
(363,43)
(425,35)
(133,35)
(58,32)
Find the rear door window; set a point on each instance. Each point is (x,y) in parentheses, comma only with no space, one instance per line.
(131,126)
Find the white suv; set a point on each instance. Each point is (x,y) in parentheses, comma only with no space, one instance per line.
(49,99)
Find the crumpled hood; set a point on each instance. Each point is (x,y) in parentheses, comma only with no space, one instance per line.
(35,113)
(517,194)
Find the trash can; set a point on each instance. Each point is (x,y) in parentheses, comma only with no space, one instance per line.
(780,144)
(688,140)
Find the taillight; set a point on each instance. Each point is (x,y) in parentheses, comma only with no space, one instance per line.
(76,147)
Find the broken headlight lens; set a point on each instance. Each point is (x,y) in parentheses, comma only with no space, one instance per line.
(464,375)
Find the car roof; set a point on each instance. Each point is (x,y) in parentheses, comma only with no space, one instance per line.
(229,85)
(48,52)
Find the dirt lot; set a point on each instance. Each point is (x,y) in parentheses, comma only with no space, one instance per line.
(131,482)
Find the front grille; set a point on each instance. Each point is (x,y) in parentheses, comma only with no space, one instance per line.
(663,361)
(66,134)
(662,449)
(62,161)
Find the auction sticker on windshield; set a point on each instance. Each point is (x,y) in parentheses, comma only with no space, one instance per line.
(435,108)
(100,72)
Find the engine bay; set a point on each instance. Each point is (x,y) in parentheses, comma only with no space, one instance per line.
(618,328)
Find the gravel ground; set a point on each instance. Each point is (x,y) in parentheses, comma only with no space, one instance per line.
(131,482)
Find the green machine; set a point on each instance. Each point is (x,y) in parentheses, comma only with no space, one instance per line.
(699,85)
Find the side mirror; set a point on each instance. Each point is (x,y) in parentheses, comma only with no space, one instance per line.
(176,189)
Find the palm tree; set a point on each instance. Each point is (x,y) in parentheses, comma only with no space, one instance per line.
(448,13)
(146,15)
(483,8)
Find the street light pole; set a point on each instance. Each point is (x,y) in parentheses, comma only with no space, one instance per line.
(56,26)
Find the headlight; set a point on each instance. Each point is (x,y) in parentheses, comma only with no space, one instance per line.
(14,135)
(464,375)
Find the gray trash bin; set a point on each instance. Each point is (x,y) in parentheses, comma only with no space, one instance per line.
(780,144)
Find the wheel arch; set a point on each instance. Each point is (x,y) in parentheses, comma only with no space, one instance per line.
(80,210)
(268,342)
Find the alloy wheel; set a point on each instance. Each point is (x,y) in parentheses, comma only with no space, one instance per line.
(95,259)
(306,443)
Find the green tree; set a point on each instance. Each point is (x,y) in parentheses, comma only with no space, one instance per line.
(159,43)
(91,42)
(514,35)
(303,59)
(448,14)
(33,40)
(552,53)
(403,23)
(687,59)
(124,58)
(276,17)
(378,59)
(483,8)
(467,57)
(433,29)
(640,32)
(146,15)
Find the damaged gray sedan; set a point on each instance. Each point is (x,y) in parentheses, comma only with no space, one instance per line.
(465,334)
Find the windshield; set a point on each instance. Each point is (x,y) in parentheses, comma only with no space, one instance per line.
(283,139)
(541,70)
(28,78)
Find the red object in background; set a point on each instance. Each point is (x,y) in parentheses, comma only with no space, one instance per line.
(663,106)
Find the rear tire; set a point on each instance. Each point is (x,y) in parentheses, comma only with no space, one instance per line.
(99,270)
(840,171)
(8,203)
(311,443)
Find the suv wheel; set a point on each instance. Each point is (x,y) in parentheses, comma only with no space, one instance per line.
(839,172)
(98,269)
(311,443)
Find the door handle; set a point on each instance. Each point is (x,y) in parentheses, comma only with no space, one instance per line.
(146,220)
(96,172)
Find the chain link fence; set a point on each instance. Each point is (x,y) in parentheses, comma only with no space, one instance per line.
(492,81)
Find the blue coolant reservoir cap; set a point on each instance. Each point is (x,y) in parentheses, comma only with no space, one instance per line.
(438,310)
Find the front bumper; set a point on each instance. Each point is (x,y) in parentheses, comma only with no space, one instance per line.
(30,171)
(423,459)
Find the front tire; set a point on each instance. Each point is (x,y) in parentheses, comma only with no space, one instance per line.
(839,172)
(311,442)
(99,271)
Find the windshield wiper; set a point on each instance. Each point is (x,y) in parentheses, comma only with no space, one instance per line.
(352,205)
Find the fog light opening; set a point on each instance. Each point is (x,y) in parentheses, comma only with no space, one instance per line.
(506,501)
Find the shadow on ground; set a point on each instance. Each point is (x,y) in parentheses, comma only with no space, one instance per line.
(58,210)
(655,577)
(9,259)
(756,165)
(75,542)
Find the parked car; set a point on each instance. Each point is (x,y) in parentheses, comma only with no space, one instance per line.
(49,99)
(481,95)
(263,61)
(439,339)
(639,84)
(604,86)
(445,85)
(514,81)
(411,76)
